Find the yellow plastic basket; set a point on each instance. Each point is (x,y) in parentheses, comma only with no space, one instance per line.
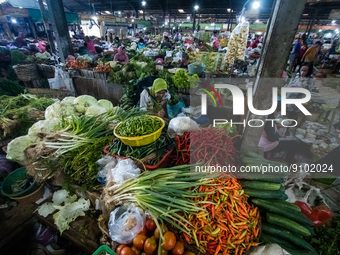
(141,140)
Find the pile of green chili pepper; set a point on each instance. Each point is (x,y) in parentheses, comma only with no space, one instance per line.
(138,126)
(120,149)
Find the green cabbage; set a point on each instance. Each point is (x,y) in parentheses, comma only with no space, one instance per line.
(105,104)
(16,148)
(81,103)
(68,100)
(44,126)
(59,110)
(95,110)
(69,213)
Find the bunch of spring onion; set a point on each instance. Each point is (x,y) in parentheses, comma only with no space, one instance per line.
(85,130)
(165,193)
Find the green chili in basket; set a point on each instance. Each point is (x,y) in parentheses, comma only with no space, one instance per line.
(138,126)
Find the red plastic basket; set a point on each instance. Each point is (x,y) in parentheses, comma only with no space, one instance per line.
(162,163)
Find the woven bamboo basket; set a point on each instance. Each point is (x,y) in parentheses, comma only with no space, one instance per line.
(46,71)
(27,72)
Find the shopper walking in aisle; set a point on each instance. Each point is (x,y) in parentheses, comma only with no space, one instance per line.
(155,98)
(294,55)
(311,54)
(303,49)
(121,57)
(255,42)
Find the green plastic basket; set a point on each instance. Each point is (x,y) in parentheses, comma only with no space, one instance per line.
(17,176)
(103,250)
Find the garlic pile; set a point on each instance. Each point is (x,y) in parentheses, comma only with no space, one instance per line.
(237,43)
(316,134)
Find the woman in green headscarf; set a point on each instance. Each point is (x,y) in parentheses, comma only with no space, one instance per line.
(155,98)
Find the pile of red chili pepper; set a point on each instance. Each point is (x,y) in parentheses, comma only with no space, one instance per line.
(228,224)
(208,146)
(182,154)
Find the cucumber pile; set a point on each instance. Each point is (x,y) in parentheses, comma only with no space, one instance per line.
(283,223)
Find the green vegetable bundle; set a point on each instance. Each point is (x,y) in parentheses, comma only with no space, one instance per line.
(182,80)
(10,88)
(123,150)
(163,193)
(17,57)
(139,126)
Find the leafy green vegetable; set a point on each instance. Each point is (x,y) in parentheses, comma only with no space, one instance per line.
(10,88)
(17,57)
(15,149)
(41,103)
(326,240)
(230,130)
(68,209)
(182,80)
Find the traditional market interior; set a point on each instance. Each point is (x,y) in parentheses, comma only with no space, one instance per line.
(149,127)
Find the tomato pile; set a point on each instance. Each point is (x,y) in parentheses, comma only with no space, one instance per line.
(147,241)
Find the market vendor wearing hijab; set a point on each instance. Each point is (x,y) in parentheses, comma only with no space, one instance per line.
(155,99)
(90,45)
(121,57)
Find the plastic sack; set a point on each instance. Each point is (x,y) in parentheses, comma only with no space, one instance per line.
(297,189)
(179,125)
(174,110)
(57,82)
(125,223)
(269,249)
(61,81)
(237,43)
(124,170)
(105,164)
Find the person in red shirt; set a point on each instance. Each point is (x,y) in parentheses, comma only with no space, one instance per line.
(255,42)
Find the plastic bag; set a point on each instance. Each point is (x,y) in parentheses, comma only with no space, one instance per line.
(57,82)
(297,189)
(105,164)
(124,170)
(238,43)
(61,80)
(125,223)
(179,125)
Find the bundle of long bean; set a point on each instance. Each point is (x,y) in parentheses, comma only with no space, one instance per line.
(227,224)
(163,193)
